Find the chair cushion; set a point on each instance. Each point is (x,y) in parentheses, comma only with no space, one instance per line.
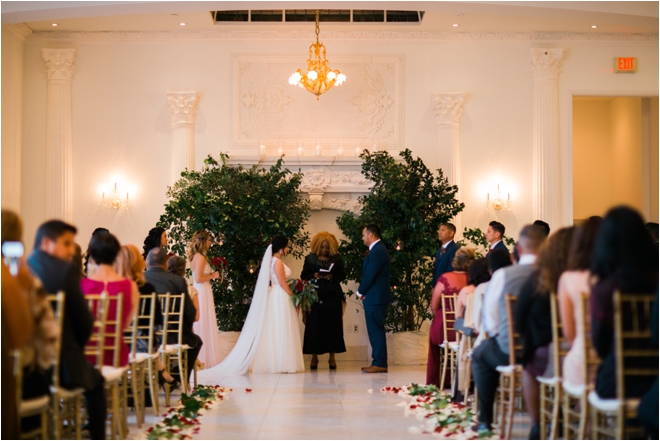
(33,406)
(112,374)
(453,346)
(509,369)
(574,389)
(140,357)
(611,405)
(550,381)
(66,393)
(173,348)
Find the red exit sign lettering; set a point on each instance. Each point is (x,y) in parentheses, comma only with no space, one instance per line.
(625,64)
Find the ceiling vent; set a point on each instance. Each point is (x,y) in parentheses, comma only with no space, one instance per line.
(309,15)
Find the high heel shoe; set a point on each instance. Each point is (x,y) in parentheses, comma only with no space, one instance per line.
(314,366)
(333,367)
(162,381)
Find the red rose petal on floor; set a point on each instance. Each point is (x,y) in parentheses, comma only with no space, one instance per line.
(248,390)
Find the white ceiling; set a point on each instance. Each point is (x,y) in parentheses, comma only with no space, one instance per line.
(635,17)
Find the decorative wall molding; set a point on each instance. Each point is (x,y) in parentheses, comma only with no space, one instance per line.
(59,133)
(448,107)
(266,108)
(60,63)
(20,29)
(183,108)
(546,64)
(96,36)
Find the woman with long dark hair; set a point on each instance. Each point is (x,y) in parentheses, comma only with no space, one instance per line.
(625,259)
(156,238)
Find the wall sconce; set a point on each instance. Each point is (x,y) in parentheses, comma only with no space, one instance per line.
(115,199)
(498,203)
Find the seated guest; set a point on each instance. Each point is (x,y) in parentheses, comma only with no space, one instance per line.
(652,228)
(157,237)
(51,262)
(165,282)
(103,250)
(626,260)
(494,351)
(533,319)
(544,225)
(177,265)
(449,283)
(494,236)
(496,259)
(130,264)
(86,266)
(445,255)
(573,283)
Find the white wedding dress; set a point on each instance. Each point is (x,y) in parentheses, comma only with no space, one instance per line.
(270,340)
(279,349)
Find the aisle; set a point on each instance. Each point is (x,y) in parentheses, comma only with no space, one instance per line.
(313,405)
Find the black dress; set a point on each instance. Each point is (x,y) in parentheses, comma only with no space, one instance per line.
(324,328)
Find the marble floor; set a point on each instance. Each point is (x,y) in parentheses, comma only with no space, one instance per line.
(320,404)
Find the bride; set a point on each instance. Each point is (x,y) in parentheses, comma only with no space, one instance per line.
(270,339)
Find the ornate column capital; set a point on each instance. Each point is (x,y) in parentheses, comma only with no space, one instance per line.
(448,107)
(546,62)
(59,63)
(183,106)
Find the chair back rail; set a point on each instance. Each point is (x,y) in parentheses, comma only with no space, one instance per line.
(635,355)
(59,301)
(448,307)
(515,339)
(112,330)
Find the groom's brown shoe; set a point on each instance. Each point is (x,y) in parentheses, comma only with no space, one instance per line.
(374,369)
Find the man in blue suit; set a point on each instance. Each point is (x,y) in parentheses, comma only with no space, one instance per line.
(376,295)
(445,255)
(494,235)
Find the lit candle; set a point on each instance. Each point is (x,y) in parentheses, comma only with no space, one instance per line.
(301,150)
(508,196)
(357,149)
(280,152)
(126,195)
(340,151)
(103,196)
(262,150)
(488,196)
(318,149)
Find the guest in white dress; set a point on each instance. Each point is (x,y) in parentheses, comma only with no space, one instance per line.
(202,273)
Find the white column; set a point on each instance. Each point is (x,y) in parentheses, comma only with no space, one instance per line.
(546,64)
(183,106)
(59,132)
(448,108)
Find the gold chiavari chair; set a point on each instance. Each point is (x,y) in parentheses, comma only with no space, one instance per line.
(635,357)
(551,389)
(27,408)
(449,351)
(510,388)
(135,373)
(173,313)
(66,403)
(144,330)
(109,334)
(575,402)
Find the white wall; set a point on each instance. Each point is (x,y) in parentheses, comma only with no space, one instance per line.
(122,124)
(12,114)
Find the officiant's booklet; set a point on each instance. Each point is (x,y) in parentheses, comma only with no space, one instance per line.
(323,270)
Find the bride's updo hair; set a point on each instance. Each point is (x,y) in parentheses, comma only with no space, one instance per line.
(198,244)
(279,243)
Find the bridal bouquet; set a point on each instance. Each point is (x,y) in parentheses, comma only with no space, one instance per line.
(221,265)
(304,294)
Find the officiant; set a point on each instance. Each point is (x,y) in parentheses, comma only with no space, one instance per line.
(324,330)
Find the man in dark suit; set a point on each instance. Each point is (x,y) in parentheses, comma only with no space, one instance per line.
(165,282)
(51,262)
(446,253)
(494,235)
(376,294)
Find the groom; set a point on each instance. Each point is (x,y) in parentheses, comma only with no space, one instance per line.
(375,292)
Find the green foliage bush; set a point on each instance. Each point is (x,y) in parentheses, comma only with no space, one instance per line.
(408,202)
(244,206)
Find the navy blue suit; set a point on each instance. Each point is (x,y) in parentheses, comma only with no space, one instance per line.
(443,261)
(500,246)
(375,287)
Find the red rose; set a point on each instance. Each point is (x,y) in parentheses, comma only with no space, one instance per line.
(299,286)
(219,262)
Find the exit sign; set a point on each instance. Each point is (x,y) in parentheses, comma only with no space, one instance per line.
(625,64)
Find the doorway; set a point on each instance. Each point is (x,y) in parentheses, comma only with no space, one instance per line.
(615,155)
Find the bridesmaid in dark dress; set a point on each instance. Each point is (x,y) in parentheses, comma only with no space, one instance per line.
(324,331)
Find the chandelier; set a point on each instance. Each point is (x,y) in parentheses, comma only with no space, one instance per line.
(319,77)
